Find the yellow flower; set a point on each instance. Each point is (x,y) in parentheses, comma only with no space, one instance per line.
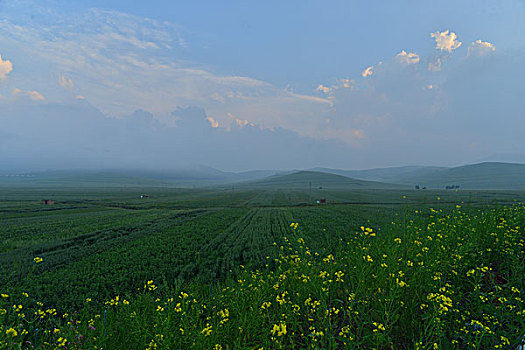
(207,330)
(367,258)
(397,240)
(379,327)
(401,283)
(150,285)
(279,329)
(281,298)
(339,276)
(61,341)
(38,260)
(178,308)
(12,332)
(266,305)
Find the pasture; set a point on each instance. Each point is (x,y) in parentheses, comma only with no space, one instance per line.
(223,268)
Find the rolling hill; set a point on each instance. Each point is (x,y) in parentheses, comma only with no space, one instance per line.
(390,175)
(302,180)
(488,175)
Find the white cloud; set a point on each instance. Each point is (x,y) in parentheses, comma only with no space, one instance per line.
(480,48)
(32,94)
(407,58)
(122,63)
(367,72)
(446,40)
(324,89)
(65,82)
(213,122)
(5,67)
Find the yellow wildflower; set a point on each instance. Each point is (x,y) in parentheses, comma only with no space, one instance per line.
(12,332)
(279,329)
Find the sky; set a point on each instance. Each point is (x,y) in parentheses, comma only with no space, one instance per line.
(243,85)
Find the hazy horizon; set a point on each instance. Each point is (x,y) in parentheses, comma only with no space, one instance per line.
(262,86)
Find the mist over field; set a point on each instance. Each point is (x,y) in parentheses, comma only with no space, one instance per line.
(166,86)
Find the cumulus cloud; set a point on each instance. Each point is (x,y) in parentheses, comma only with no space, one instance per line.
(5,68)
(480,48)
(32,94)
(367,72)
(65,82)
(407,58)
(446,40)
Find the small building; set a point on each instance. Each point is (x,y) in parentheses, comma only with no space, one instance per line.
(48,201)
(322,201)
(144,196)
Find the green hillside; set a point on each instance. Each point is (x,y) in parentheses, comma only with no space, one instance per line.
(302,179)
(390,175)
(489,175)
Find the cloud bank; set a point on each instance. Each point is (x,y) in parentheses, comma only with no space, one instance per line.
(446,106)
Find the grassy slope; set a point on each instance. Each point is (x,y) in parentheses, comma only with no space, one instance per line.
(302,179)
(391,175)
(477,176)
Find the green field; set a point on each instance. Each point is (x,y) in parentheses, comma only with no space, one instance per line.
(232,248)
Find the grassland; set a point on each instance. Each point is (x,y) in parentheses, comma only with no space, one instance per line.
(223,268)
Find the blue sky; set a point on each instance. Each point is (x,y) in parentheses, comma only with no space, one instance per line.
(443,85)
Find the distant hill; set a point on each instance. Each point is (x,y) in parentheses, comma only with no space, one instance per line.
(77,178)
(302,179)
(200,173)
(488,175)
(391,175)
(196,176)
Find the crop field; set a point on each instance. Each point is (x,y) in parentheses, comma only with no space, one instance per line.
(252,268)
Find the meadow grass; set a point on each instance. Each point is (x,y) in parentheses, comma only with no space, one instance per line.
(434,279)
